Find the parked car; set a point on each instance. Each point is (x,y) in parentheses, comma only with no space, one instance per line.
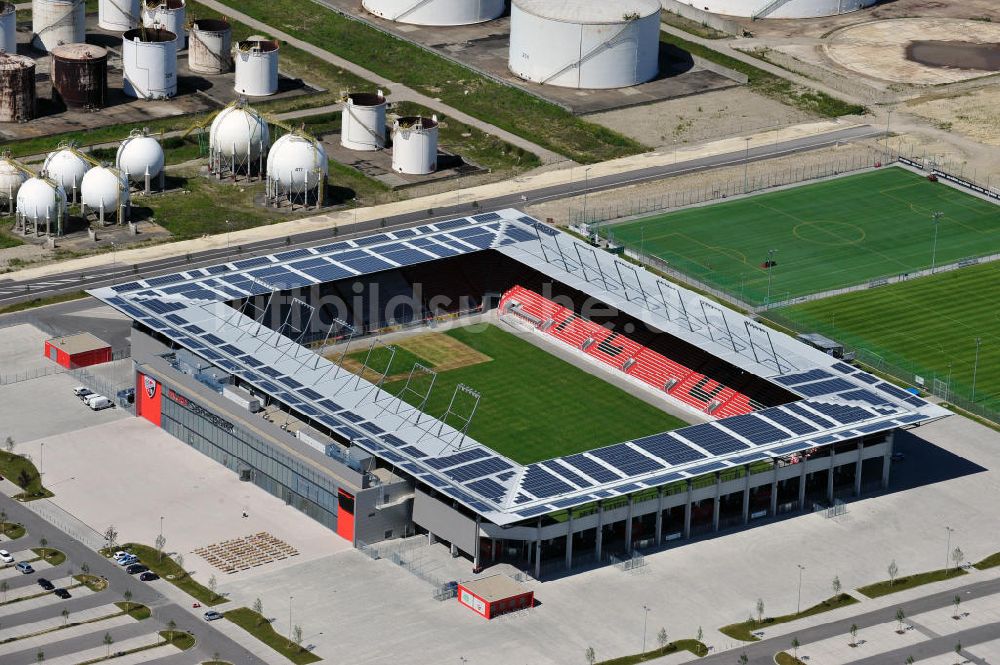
(127,395)
(62,593)
(134,568)
(82,392)
(212,615)
(45,584)
(98,402)
(127,560)
(5,557)
(149,576)
(24,567)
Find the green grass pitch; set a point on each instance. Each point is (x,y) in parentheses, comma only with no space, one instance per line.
(827,235)
(927,326)
(535,406)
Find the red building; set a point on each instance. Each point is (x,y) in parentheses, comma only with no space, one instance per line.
(78,350)
(495,595)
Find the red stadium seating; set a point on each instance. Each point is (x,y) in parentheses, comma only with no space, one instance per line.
(654,369)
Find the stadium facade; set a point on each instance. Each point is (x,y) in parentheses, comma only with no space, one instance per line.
(780,427)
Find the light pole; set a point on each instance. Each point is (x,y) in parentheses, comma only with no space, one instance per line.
(937,221)
(887,119)
(746,164)
(290,618)
(798,605)
(586,178)
(975,369)
(41,460)
(770,270)
(645,616)
(161,526)
(228,233)
(947,550)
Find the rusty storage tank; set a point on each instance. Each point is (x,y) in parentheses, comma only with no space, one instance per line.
(8,27)
(80,75)
(210,46)
(17,88)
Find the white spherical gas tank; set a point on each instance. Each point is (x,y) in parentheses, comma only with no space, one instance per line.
(41,201)
(296,163)
(104,187)
(12,176)
(239,132)
(140,155)
(67,168)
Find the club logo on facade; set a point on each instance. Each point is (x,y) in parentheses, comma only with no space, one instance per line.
(150,385)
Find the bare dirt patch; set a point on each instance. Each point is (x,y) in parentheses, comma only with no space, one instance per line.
(975,114)
(444,352)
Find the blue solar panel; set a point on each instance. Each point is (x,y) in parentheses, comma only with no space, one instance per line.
(330,405)
(712,439)
(394,440)
(478,469)
(407,257)
(489,488)
(293,254)
(874,427)
(751,457)
(571,501)
(366,264)
(125,288)
(788,421)
(212,339)
(631,462)
(231,350)
(250,360)
(867,378)
(334,247)
(802,377)
(543,484)
(173,318)
(451,224)
(890,389)
(827,438)
(290,382)
(532,512)
(404,233)
(165,279)
(412,451)
(753,429)
(915,401)
(252,263)
(862,395)
(518,234)
(471,233)
(824,387)
(371,240)
(353,417)
(571,476)
(270,371)
(486,217)
(706,468)
(310,393)
(662,480)
(812,417)
(789,448)
(912,418)
(668,448)
(841,413)
(309,263)
(371,428)
(391,456)
(161,307)
(328,273)
(843,367)
(218,270)
(598,472)
(441,251)
(459,458)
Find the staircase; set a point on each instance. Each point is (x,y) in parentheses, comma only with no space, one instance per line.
(768,9)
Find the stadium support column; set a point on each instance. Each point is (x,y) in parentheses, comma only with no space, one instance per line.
(628,527)
(687,514)
(887,460)
(802,483)
(715,506)
(479,547)
(774,490)
(659,516)
(569,542)
(858,466)
(746,495)
(538,550)
(600,531)
(829,476)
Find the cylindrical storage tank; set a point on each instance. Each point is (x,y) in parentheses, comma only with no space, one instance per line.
(256,67)
(362,123)
(118,15)
(12,176)
(17,88)
(296,164)
(8,27)
(414,145)
(787,9)
(55,22)
(41,202)
(238,138)
(606,44)
(67,167)
(436,12)
(210,46)
(167,14)
(104,191)
(80,75)
(149,60)
(140,156)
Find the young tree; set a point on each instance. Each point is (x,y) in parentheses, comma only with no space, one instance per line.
(213,584)
(42,544)
(108,641)
(297,636)
(590,656)
(40,656)
(258,608)
(795,647)
(85,568)
(179,559)
(909,660)
(837,588)
(893,571)
(900,618)
(65,616)
(171,627)
(3,521)
(662,639)
(23,479)
(4,588)
(9,445)
(111,536)
(744,659)
(956,602)
(760,610)
(127,597)
(700,634)
(160,542)
(957,557)
(854,634)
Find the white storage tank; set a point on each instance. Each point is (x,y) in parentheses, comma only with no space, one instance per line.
(238,139)
(167,14)
(778,8)
(140,157)
(296,164)
(67,167)
(414,145)
(117,15)
(105,192)
(55,22)
(590,44)
(436,12)
(149,61)
(12,176)
(362,122)
(256,67)
(41,202)
(210,46)
(8,27)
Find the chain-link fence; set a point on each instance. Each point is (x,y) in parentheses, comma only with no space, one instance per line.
(67,523)
(415,557)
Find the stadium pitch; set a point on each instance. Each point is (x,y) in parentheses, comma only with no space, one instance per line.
(827,235)
(927,326)
(534,405)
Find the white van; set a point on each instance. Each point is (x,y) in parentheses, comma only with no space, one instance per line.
(99,402)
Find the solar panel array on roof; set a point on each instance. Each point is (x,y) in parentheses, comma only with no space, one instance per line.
(843,367)
(478,469)
(862,395)
(802,377)
(456,459)
(668,448)
(754,429)
(797,408)
(490,489)
(788,421)
(706,468)
(824,387)
(712,439)
(566,473)
(598,472)
(543,484)
(629,461)
(840,413)
(890,389)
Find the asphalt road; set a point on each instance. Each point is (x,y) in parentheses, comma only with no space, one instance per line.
(209,640)
(762,653)
(13,292)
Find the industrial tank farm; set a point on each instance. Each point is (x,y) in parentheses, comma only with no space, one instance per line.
(55,22)
(297,166)
(17,88)
(256,67)
(238,139)
(149,58)
(79,75)
(140,158)
(596,45)
(362,124)
(166,14)
(781,8)
(209,46)
(436,12)
(8,27)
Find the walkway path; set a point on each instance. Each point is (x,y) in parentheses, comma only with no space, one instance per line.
(398,91)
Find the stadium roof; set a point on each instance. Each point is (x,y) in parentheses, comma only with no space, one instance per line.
(840,402)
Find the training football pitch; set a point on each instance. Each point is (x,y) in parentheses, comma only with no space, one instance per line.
(826,235)
(534,406)
(927,326)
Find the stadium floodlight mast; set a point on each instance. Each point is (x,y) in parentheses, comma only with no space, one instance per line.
(586,180)
(975,369)
(746,166)
(770,271)
(798,606)
(645,616)
(937,222)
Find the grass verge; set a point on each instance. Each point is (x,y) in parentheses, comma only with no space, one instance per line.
(694,646)
(50,556)
(168,569)
(137,611)
(12,530)
(42,302)
(992,561)
(886,587)
(23,473)
(506,107)
(92,582)
(179,638)
(766,83)
(261,628)
(702,30)
(784,658)
(744,630)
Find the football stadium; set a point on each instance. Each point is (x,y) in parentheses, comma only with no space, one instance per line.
(505,389)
